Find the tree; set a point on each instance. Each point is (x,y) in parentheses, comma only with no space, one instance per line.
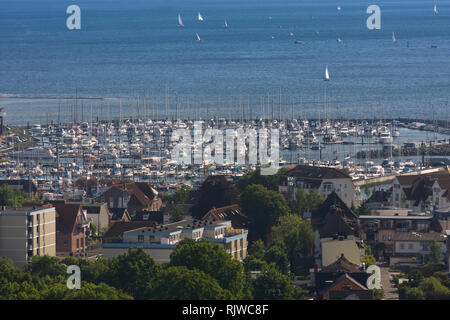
(301,202)
(314,200)
(132,272)
(180,196)
(433,289)
(10,197)
(177,214)
(262,207)
(45,265)
(212,260)
(435,252)
(216,191)
(255,257)
(273,285)
(296,234)
(277,255)
(181,283)
(412,294)
(270,182)
(368,258)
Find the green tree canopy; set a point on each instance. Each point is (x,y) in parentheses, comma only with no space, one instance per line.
(296,234)
(212,260)
(270,182)
(216,191)
(262,207)
(181,283)
(132,272)
(10,197)
(180,196)
(273,285)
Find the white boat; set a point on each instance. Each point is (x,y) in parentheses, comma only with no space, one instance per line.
(198,37)
(394,40)
(435,9)
(226,23)
(339,8)
(339,40)
(200,18)
(396,133)
(327,75)
(385,138)
(180,22)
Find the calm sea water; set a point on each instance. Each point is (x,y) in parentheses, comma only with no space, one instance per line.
(130,49)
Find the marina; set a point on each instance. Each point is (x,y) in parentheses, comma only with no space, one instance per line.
(60,157)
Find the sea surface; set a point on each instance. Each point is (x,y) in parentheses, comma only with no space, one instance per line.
(133,52)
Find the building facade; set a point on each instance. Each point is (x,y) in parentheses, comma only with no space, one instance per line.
(27,232)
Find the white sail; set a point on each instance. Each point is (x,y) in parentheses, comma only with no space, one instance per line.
(180,22)
(339,8)
(198,37)
(200,18)
(327,75)
(393,38)
(435,9)
(226,23)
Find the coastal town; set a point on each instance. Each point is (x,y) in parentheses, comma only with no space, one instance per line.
(110,191)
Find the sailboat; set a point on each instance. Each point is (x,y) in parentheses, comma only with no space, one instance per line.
(327,75)
(198,37)
(339,40)
(226,23)
(339,8)
(435,9)
(200,18)
(394,40)
(180,22)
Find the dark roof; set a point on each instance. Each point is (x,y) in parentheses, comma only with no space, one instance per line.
(118,213)
(66,216)
(313,172)
(380,196)
(93,208)
(341,265)
(231,213)
(334,217)
(118,228)
(145,215)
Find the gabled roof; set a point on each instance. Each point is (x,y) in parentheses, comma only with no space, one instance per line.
(313,172)
(341,265)
(380,196)
(118,213)
(231,213)
(66,216)
(334,217)
(346,276)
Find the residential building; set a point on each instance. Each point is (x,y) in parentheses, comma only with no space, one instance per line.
(160,241)
(135,196)
(421,193)
(231,213)
(72,229)
(26,232)
(119,214)
(336,230)
(341,280)
(326,180)
(98,213)
(403,236)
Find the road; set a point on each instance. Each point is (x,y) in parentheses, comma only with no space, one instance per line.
(390,292)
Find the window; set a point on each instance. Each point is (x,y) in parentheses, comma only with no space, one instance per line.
(140,238)
(410,246)
(82,243)
(78,243)
(65,243)
(402,246)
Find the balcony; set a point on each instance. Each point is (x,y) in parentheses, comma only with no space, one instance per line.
(30,247)
(30,224)
(30,236)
